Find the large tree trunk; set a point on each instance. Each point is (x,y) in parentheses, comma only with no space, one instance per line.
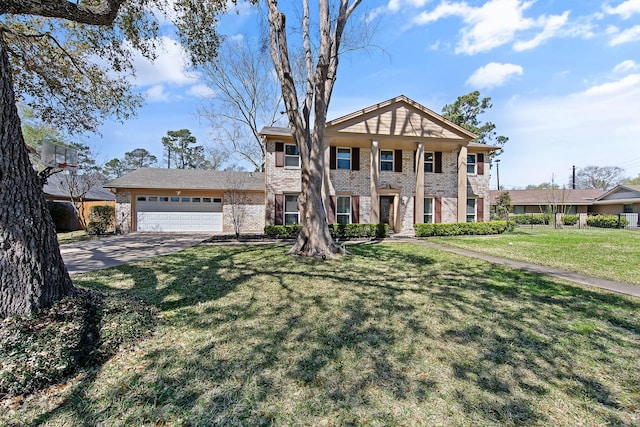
(32,273)
(314,238)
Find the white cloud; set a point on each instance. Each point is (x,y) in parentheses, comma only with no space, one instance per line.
(623,86)
(626,66)
(625,9)
(157,94)
(493,74)
(627,36)
(596,126)
(551,26)
(169,66)
(200,91)
(495,23)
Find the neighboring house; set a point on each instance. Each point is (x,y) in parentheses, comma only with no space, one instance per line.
(182,200)
(396,162)
(56,189)
(620,199)
(566,201)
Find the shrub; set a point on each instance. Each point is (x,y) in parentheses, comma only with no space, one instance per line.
(101,219)
(607,221)
(60,215)
(282,231)
(347,231)
(341,231)
(570,219)
(460,228)
(532,219)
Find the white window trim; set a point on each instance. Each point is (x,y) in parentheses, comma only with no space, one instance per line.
(343,214)
(392,161)
(432,213)
(285,212)
(475,164)
(338,158)
(291,156)
(475,209)
(432,162)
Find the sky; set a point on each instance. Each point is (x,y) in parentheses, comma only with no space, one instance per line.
(563,78)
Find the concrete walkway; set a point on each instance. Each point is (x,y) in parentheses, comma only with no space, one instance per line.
(117,250)
(611,285)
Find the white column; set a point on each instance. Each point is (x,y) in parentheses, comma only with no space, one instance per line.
(462,185)
(419,196)
(373,182)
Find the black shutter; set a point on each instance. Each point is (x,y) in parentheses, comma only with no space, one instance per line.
(355,209)
(279,154)
(480,164)
(397,158)
(355,159)
(279,219)
(438,160)
(333,157)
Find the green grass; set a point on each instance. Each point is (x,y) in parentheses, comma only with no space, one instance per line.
(396,334)
(609,254)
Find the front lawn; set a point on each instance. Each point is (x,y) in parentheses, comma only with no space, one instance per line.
(396,334)
(606,253)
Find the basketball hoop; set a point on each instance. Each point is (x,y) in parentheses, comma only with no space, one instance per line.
(55,159)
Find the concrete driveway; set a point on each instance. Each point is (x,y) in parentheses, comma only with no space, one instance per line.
(117,250)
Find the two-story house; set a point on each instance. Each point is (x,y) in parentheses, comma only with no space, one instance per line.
(395,162)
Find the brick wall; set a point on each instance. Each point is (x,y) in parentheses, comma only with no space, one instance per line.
(248,209)
(123,211)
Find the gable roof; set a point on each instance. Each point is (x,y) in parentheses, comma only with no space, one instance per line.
(400,116)
(544,197)
(57,186)
(192,179)
(397,117)
(620,194)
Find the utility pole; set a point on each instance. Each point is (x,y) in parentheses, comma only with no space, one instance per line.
(498,172)
(573,178)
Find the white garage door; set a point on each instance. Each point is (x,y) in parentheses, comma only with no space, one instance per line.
(179,214)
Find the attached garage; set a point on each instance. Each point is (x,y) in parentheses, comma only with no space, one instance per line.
(188,201)
(179,214)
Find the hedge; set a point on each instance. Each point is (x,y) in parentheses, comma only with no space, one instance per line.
(460,228)
(607,221)
(339,231)
(570,220)
(532,219)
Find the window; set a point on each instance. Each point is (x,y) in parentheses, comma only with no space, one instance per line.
(344,158)
(627,208)
(291,214)
(186,199)
(386,160)
(471,210)
(141,199)
(195,199)
(471,164)
(291,156)
(217,200)
(153,198)
(428,162)
(206,200)
(343,209)
(428,210)
(164,198)
(175,198)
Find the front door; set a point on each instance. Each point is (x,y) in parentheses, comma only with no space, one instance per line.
(386,211)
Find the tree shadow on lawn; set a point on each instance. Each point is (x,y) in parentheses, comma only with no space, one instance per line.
(268,339)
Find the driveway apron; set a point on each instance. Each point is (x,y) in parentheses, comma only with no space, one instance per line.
(117,250)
